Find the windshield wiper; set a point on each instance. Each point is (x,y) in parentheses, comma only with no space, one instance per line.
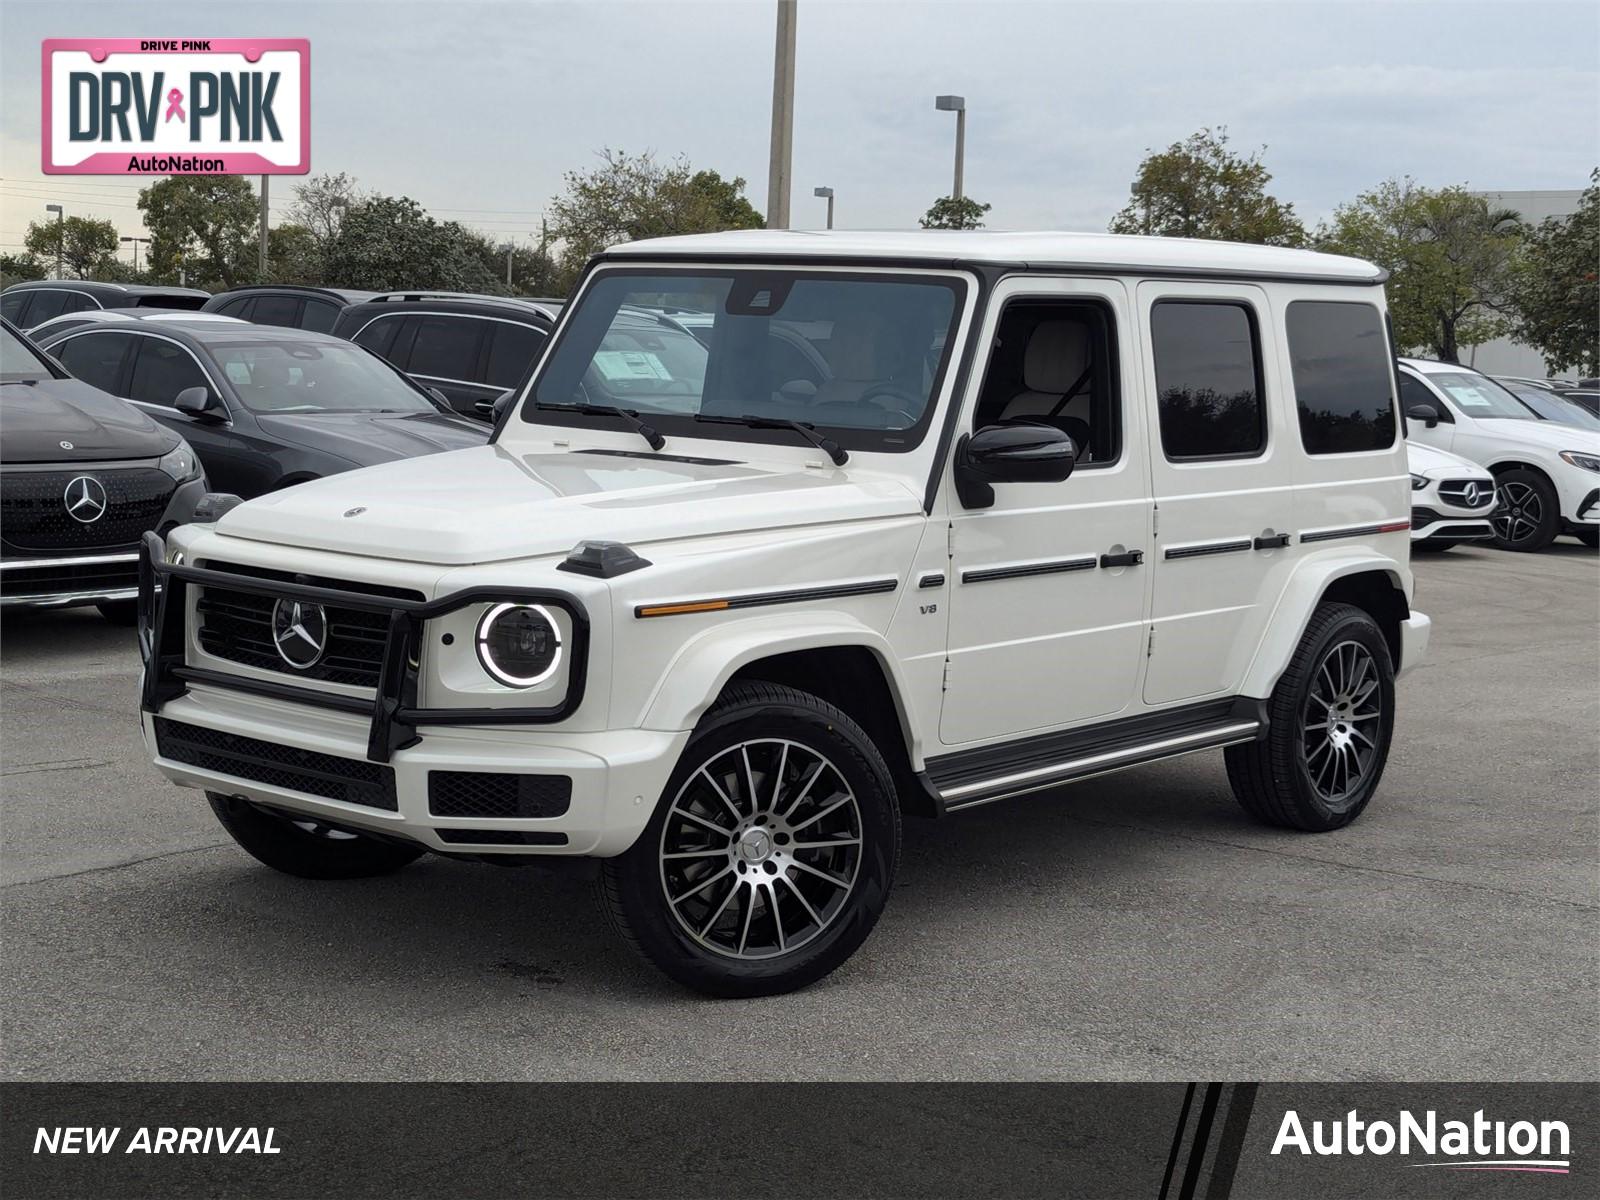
(629,415)
(805,429)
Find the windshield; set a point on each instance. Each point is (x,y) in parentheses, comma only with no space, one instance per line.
(1480,396)
(314,377)
(859,355)
(19,361)
(1557,408)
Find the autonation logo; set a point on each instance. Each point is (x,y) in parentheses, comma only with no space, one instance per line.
(1476,1145)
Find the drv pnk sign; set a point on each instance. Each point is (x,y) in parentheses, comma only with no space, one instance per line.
(145,106)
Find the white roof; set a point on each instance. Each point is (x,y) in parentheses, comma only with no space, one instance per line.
(1101,252)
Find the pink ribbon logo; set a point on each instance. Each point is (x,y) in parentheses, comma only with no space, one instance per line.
(175,105)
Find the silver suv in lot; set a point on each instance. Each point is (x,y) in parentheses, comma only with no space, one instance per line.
(719,609)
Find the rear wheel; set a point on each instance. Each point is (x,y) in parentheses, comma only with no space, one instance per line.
(771,853)
(1331,718)
(307,847)
(1529,513)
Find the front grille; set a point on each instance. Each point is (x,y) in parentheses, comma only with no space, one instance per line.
(1453,491)
(33,508)
(50,580)
(237,626)
(500,837)
(354,781)
(486,794)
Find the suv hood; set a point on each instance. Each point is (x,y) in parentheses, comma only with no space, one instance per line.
(368,438)
(1542,433)
(1423,458)
(35,418)
(489,504)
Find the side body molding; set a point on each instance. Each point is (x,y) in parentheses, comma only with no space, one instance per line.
(1312,576)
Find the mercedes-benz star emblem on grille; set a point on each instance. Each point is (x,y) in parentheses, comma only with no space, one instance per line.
(1471,495)
(66,445)
(85,499)
(300,632)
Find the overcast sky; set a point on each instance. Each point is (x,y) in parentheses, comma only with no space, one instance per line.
(476,109)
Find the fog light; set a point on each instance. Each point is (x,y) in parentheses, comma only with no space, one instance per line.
(518,644)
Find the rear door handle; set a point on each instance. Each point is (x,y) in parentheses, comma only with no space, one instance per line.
(1128,558)
(1274,541)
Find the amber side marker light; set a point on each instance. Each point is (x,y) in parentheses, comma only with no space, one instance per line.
(670,610)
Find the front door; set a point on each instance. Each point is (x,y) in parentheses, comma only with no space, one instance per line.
(1048,585)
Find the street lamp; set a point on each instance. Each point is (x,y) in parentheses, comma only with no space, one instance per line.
(957,105)
(60,233)
(825,194)
(136,242)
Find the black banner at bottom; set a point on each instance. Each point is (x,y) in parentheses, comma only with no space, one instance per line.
(1155,1141)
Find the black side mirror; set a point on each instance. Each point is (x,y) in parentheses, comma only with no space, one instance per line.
(441,398)
(1021,453)
(1426,413)
(503,402)
(199,403)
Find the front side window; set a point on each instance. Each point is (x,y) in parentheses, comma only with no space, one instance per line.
(447,348)
(857,356)
(162,370)
(1208,379)
(377,334)
(11,306)
(314,377)
(96,358)
(47,303)
(1339,355)
(1479,396)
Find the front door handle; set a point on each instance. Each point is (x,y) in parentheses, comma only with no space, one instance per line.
(1128,558)
(1275,541)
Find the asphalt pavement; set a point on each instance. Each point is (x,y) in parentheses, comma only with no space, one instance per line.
(1135,926)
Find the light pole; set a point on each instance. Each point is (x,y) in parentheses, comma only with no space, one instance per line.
(60,233)
(136,242)
(957,105)
(825,194)
(782,151)
(510,249)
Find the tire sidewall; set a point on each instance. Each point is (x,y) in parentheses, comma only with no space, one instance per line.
(1550,512)
(637,872)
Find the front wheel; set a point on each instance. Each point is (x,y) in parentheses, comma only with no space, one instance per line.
(1330,720)
(1529,513)
(771,852)
(306,847)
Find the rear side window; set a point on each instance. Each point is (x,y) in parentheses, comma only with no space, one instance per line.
(377,335)
(319,316)
(48,303)
(162,370)
(512,350)
(11,306)
(277,310)
(447,348)
(95,358)
(1340,359)
(1208,379)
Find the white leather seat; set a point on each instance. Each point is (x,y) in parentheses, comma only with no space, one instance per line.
(1055,360)
(859,357)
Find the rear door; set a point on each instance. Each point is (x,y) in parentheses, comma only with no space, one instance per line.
(1221,480)
(446,355)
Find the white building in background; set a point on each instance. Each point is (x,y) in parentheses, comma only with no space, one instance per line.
(1504,356)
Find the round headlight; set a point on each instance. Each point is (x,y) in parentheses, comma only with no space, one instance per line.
(519,644)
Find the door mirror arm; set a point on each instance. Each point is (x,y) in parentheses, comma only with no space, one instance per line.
(1426,413)
(1024,452)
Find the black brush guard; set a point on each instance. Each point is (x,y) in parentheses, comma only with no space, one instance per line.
(395,716)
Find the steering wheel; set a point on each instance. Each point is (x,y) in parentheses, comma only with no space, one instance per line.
(892,392)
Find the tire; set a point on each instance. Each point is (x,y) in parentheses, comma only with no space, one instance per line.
(120,612)
(1529,514)
(1292,777)
(1589,536)
(824,812)
(305,847)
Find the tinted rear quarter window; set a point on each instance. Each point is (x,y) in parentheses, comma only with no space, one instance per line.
(277,310)
(1208,379)
(1339,355)
(319,316)
(162,370)
(511,352)
(447,348)
(95,358)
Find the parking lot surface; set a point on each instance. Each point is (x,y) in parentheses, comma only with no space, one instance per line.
(1135,926)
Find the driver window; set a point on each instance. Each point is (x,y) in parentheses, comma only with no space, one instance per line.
(1054,362)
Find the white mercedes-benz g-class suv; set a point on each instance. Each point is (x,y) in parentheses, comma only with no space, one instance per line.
(791,534)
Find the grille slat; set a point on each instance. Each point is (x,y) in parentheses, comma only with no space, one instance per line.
(34,512)
(354,781)
(237,626)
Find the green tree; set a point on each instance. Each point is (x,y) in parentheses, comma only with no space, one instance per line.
(949,213)
(1556,291)
(319,206)
(1198,188)
(1451,257)
(88,247)
(18,268)
(208,224)
(293,255)
(633,196)
(389,242)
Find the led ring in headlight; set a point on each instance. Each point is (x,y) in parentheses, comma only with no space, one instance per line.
(519,644)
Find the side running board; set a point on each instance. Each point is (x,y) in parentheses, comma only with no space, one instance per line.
(969,778)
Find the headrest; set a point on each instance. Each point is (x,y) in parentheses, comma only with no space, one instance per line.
(1057,353)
